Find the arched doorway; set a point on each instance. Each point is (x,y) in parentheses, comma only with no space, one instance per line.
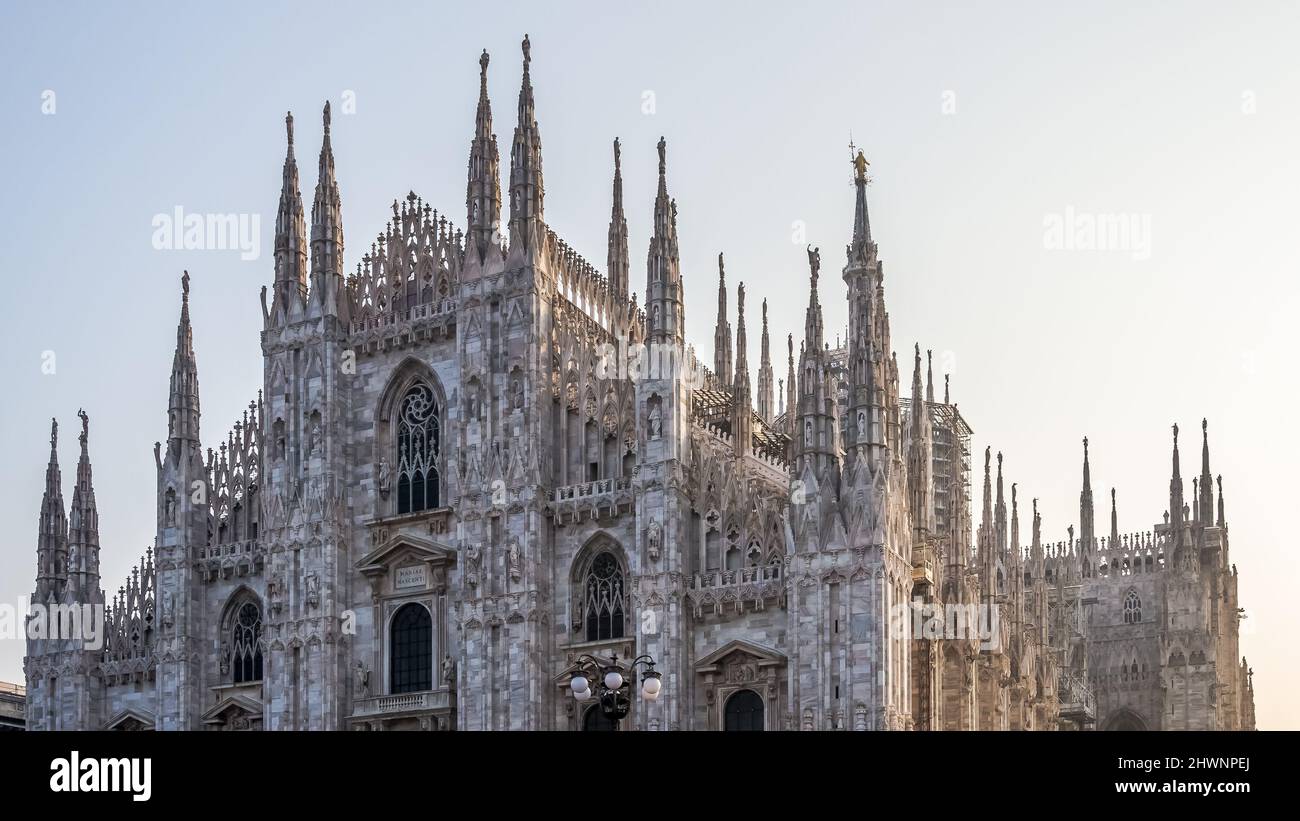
(594,720)
(744,711)
(1125,721)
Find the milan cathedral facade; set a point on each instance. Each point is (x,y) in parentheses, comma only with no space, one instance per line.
(476,459)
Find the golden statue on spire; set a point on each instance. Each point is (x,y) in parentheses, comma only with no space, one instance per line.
(860,167)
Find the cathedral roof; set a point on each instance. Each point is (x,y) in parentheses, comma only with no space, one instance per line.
(713,406)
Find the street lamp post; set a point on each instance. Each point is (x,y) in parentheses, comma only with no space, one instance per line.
(609,681)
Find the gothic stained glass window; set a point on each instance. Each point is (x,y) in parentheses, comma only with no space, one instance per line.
(245,644)
(1132,608)
(418,447)
(411,650)
(744,711)
(602,599)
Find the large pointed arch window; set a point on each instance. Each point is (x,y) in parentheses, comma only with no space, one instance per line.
(602,598)
(1132,608)
(245,644)
(419,444)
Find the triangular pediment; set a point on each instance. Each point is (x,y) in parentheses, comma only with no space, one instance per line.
(405,549)
(131,719)
(238,703)
(763,655)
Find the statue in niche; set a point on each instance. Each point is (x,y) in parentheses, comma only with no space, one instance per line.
(654,540)
(471,566)
(514,559)
(169,514)
(363,680)
(275,590)
(656,421)
(449,672)
(517,394)
(473,403)
(808,433)
(225,658)
(383,477)
(313,590)
(168,618)
(314,435)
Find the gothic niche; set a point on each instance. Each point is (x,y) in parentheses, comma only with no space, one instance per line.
(654,417)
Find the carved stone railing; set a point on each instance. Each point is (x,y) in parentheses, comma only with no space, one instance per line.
(426,701)
(244,558)
(601,497)
(721,591)
(396,328)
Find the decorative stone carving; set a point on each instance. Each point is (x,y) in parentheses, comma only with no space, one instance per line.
(313,590)
(383,479)
(472,559)
(449,672)
(363,680)
(275,590)
(515,560)
(654,540)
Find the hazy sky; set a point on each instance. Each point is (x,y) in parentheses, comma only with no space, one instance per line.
(986,124)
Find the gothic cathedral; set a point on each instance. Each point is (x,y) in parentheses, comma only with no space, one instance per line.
(476,459)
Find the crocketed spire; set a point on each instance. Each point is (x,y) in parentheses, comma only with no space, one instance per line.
(618,259)
(183,406)
(290,237)
(327,230)
(526,189)
(483,189)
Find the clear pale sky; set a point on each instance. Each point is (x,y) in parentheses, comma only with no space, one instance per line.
(981,122)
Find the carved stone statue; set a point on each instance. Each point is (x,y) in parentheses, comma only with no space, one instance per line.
(656,422)
(472,565)
(515,560)
(654,540)
(275,590)
(313,441)
(449,672)
(383,477)
(313,590)
(169,515)
(517,393)
(363,680)
(168,617)
(225,658)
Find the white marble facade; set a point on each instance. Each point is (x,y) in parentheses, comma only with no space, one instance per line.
(446,491)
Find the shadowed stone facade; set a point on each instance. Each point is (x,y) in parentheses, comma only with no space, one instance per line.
(476,458)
